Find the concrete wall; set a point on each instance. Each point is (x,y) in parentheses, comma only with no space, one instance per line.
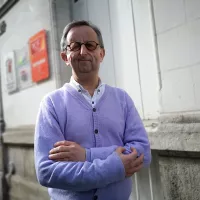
(178,36)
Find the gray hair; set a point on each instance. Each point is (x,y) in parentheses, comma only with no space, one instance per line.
(73,24)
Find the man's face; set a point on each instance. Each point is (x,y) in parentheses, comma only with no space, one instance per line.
(83,61)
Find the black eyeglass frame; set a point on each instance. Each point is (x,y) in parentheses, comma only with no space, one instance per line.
(68,48)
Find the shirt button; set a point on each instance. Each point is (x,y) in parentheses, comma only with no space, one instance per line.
(95,197)
(96,131)
(93,102)
(79,90)
(98,90)
(94,109)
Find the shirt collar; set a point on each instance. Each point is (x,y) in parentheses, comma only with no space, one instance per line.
(80,87)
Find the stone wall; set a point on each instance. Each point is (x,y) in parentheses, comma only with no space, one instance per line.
(22,182)
(180,176)
(177,139)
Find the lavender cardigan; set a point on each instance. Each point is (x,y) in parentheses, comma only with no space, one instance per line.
(65,115)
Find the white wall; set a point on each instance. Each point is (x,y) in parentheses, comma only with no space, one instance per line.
(147,57)
(178,34)
(130,61)
(135,54)
(25,19)
(124,49)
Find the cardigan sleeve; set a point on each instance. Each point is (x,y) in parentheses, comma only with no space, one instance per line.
(134,136)
(75,176)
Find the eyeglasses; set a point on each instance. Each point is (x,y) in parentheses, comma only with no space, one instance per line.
(76,46)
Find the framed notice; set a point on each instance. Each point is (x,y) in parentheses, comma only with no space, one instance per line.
(39,56)
(23,68)
(10,72)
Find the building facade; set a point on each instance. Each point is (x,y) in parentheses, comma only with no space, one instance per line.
(151,52)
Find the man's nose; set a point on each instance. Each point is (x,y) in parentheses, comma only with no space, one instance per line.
(83,50)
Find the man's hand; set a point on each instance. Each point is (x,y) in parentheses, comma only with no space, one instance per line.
(131,162)
(67,151)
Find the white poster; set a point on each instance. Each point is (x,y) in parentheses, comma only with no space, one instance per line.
(23,68)
(10,72)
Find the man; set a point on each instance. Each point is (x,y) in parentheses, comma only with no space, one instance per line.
(89,138)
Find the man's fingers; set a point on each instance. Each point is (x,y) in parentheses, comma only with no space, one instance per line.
(131,171)
(64,143)
(136,164)
(120,150)
(132,155)
(129,175)
(137,168)
(58,156)
(59,149)
(133,149)
(141,158)
(138,161)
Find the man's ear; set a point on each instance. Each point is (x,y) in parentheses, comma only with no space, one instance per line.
(63,55)
(102,54)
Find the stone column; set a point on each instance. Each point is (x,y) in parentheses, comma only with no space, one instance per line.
(177,139)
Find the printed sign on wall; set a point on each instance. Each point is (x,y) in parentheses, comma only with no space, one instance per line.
(39,56)
(10,72)
(23,68)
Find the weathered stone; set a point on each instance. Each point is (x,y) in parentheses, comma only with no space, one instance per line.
(29,166)
(22,188)
(180,178)
(21,135)
(176,137)
(179,128)
(16,155)
(180,118)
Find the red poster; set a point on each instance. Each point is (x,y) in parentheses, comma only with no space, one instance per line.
(39,56)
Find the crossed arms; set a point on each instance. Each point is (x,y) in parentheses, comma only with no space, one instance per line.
(69,166)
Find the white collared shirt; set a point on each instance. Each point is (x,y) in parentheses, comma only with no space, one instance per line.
(91,99)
